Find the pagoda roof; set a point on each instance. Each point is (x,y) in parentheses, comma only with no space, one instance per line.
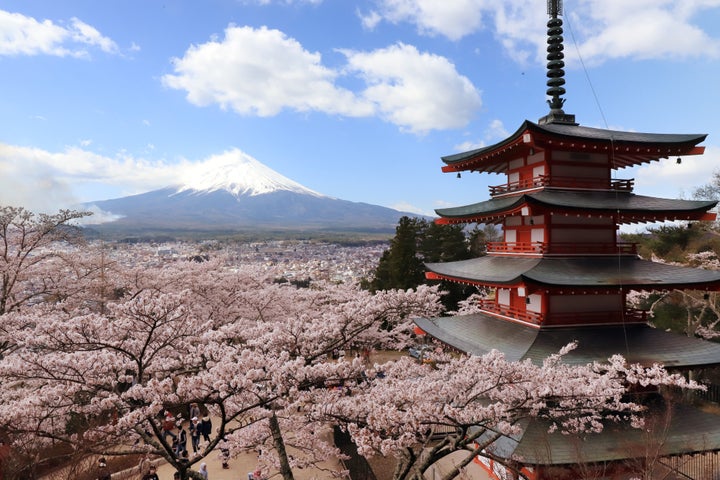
(478,334)
(627,148)
(689,430)
(599,272)
(625,206)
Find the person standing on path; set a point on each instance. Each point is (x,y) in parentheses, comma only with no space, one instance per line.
(194,410)
(152,474)
(206,427)
(103,471)
(203,471)
(195,434)
(182,440)
(168,424)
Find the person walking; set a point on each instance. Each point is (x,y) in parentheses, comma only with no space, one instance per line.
(152,474)
(195,434)
(194,410)
(103,471)
(181,440)
(168,424)
(206,427)
(203,471)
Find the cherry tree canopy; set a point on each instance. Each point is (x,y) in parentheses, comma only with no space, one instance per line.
(232,340)
(110,347)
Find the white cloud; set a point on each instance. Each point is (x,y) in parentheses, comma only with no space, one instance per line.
(409,208)
(98,216)
(452,19)
(493,133)
(83,33)
(468,145)
(604,29)
(369,20)
(23,35)
(261,72)
(669,179)
(406,86)
(644,29)
(45,181)
(496,131)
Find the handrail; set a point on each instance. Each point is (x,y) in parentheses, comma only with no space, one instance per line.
(491,307)
(562,248)
(617,184)
(629,315)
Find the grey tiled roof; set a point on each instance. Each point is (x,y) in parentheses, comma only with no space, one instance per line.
(478,334)
(579,272)
(689,431)
(623,202)
(584,133)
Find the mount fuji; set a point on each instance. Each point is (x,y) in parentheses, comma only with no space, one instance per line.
(235,192)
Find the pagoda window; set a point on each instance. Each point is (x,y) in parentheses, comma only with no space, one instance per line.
(538,171)
(510,235)
(534,303)
(503,296)
(537,235)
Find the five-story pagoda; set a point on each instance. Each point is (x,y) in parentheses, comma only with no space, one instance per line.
(560,274)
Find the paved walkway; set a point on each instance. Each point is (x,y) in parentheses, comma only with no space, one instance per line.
(239,468)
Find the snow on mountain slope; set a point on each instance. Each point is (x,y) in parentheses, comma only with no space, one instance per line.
(238,173)
(233,192)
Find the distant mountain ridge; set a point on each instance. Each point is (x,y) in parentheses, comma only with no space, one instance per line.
(234,191)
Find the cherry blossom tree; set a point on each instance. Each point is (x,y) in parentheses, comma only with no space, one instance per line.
(25,239)
(29,266)
(232,340)
(93,368)
(702,308)
(478,399)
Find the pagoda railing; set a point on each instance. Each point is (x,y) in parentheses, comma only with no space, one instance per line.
(562,248)
(630,315)
(493,308)
(622,185)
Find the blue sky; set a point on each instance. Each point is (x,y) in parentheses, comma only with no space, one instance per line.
(353,99)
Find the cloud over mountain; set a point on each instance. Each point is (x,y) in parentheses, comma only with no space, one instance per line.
(233,191)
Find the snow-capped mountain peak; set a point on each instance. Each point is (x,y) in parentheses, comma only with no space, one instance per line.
(238,173)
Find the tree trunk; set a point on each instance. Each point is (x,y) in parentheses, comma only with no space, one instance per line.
(279,444)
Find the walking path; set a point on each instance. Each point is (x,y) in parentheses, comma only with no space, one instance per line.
(245,463)
(240,466)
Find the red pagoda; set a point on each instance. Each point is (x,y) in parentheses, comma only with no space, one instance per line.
(561,275)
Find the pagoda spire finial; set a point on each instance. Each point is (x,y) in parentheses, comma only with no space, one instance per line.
(555,65)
